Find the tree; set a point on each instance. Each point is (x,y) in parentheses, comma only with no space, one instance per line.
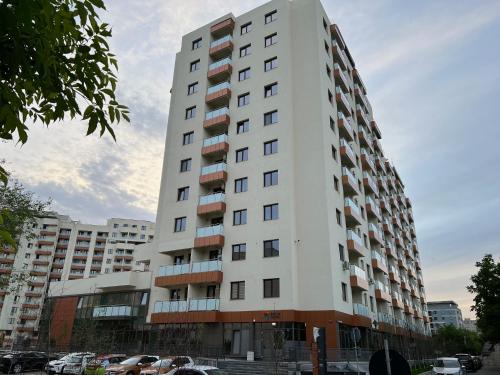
(55,61)
(451,340)
(486,287)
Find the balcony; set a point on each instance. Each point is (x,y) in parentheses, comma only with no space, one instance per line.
(212,204)
(358,278)
(221,47)
(214,174)
(206,304)
(342,101)
(6,261)
(360,96)
(217,146)
(369,183)
(408,309)
(397,301)
(375,129)
(387,226)
(38,272)
(340,77)
(376,145)
(394,275)
(347,155)
(39,262)
(223,27)
(357,79)
(220,70)
(195,273)
(218,94)
(382,184)
(361,310)
(345,127)
(339,55)
(375,234)
(404,284)
(43,252)
(362,116)
(354,243)
(209,237)
(47,233)
(396,222)
(349,182)
(378,262)
(384,205)
(217,120)
(352,213)
(372,209)
(402,264)
(380,163)
(390,251)
(382,292)
(367,162)
(365,138)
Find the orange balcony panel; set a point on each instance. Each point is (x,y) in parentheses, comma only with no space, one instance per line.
(210,277)
(408,254)
(47,233)
(371,211)
(362,117)
(38,273)
(345,129)
(375,129)
(220,73)
(95,268)
(83,238)
(376,264)
(36,283)
(375,237)
(417,265)
(124,257)
(63,236)
(367,166)
(77,266)
(388,228)
(390,252)
(405,286)
(385,206)
(224,27)
(347,157)
(25,329)
(212,208)
(355,247)
(408,310)
(41,262)
(426,319)
(382,296)
(6,261)
(215,150)
(402,264)
(413,293)
(217,123)
(213,178)
(100,251)
(80,257)
(62,246)
(397,304)
(359,283)
(5,271)
(218,97)
(221,50)
(394,277)
(33,294)
(32,306)
(82,248)
(216,241)
(186,317)
(97,257)
(422,300)
(75,277)
(58,265)
(349,186)
(46,243)
(55,276)
(352,218)
(59,256)
(376,145)
(28,317)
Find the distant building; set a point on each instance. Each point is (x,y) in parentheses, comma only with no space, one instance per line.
(470,324)
(442,313)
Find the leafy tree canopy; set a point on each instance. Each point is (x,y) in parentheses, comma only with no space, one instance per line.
(486,287)
(451,340)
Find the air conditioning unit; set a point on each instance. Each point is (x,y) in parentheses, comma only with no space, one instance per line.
(345,265)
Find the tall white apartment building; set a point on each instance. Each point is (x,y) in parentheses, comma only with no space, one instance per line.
(63,249)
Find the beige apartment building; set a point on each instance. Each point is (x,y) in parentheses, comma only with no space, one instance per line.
(63,249)
(278,208)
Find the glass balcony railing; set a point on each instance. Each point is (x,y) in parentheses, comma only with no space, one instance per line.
(385,318)
(174,269)
(371,182)
(170,306)
(211,198)
(357,271)
(219,167)
(374,228)
(343,97)
(219,63)
(382,287)
(214,140)
(218,112)
(397,296)
(378,257)
(220,86)
(346,120)
(350,203)
(206,266)
(220,41)
(360,309)
(213,230)
(365,135)
(375,208)
(350,176)
(392,269)
(348,148)
(205,304)
(181,269)
(341,73)
(351,235)
(111,311)
(369,158)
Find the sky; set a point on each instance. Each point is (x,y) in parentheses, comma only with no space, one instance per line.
(432,73)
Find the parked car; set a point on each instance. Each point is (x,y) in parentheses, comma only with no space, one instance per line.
(56,366)
(99,365)
(19,362)
(132,365)
(448,366)
(167,364)
(197,370)
(467,361)
(478,362)
(76,363)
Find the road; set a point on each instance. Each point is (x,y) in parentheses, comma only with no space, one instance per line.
(488,371)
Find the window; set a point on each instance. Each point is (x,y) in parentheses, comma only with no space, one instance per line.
(241,185)
(341,253)
(246,28)
(271,248)
(327,48)
(242,155)
(110,251)
(115,225)
(271,39)
(245,50)
(238,290)
(339,217)
(271,147)
(336,183)
(240,217)
(270,90)
(270,64)
(270,178)
(271,117)
(180,224)
(243,99)
(271,288)
(344,292)
(242,126)
(271,212)
(371,304)
(27,256)
(183,193)
(244,74)
(334,152)
(187,138)
(325,25)
(194,66)
(196,44)
(271,17)
(332,125)
(108,261)
(330,97)
(185,165)
(239,251)
(190,112)
(328,71)
(193,88)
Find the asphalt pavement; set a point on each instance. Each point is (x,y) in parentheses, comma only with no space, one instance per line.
(487,370)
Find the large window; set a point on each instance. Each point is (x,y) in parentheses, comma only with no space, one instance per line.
(242,126)
(344,292)
(271,288)
(194,66)
(271,212)
(238,290)
(270,64)
(243,99)
(271,90)
(245,50)
(241,185)
(239,251)
(180,224)
(270,178)
(193,88)
(187,138)
(242,154)
(246,28)
(271,147)
(196,43)
(271,248)
(271,39)
(240,217)
(244,74)
(271,17)
(185,165)
(271,117)
(190,112)
(341,253)
(183,193)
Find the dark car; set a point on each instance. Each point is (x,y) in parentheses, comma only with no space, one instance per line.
(19,362)
(466,361)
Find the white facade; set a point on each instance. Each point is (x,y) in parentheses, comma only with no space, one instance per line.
(443,313)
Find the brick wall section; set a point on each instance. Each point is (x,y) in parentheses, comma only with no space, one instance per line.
(63,318)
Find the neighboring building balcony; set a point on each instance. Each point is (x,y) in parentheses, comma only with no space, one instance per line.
(414,247)
(5,270)
(385,318)
(62,246)
(362,116)
(358,277)
(78,266)
(376,145)
(220,70)
(384,205)
(397,300)
(82,237)
(215,146)
(47,233)
(375,234)
(364,138)
(75,276)
(218,94)
(209,237)
(28,317)
(221,47)
(360,96)
(404,283)
(339,55)
(64,236)
(367,162)
(97,257)
(223,27)
(212,204)
(40,262)
(369,183)
(36,283)
(357,79)
(33,294)
(387,226)
(342,101)
(379,262)
(408,309)
(382,184)
(372,209)
(58,265)
(375,129)
(409,255)
(43,252)
(61,255)
(45,243)
(6,261)
(394,275)
(80,256)
(217,120)
(207,272)
(347,154)
(361,310)
(340,77)
(382,292)
(213,174)
(352,213)
(349,182)
(413,234)
(402,264)
(25,329)
(123,257)
(30,306)
(398,240)
(390,250)
(345,127)
(354,243)
(380,163)
(397,222)
(38,272)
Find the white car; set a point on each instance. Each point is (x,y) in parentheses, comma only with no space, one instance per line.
(197,370)
(76,364)
(448,366)
(57,366)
